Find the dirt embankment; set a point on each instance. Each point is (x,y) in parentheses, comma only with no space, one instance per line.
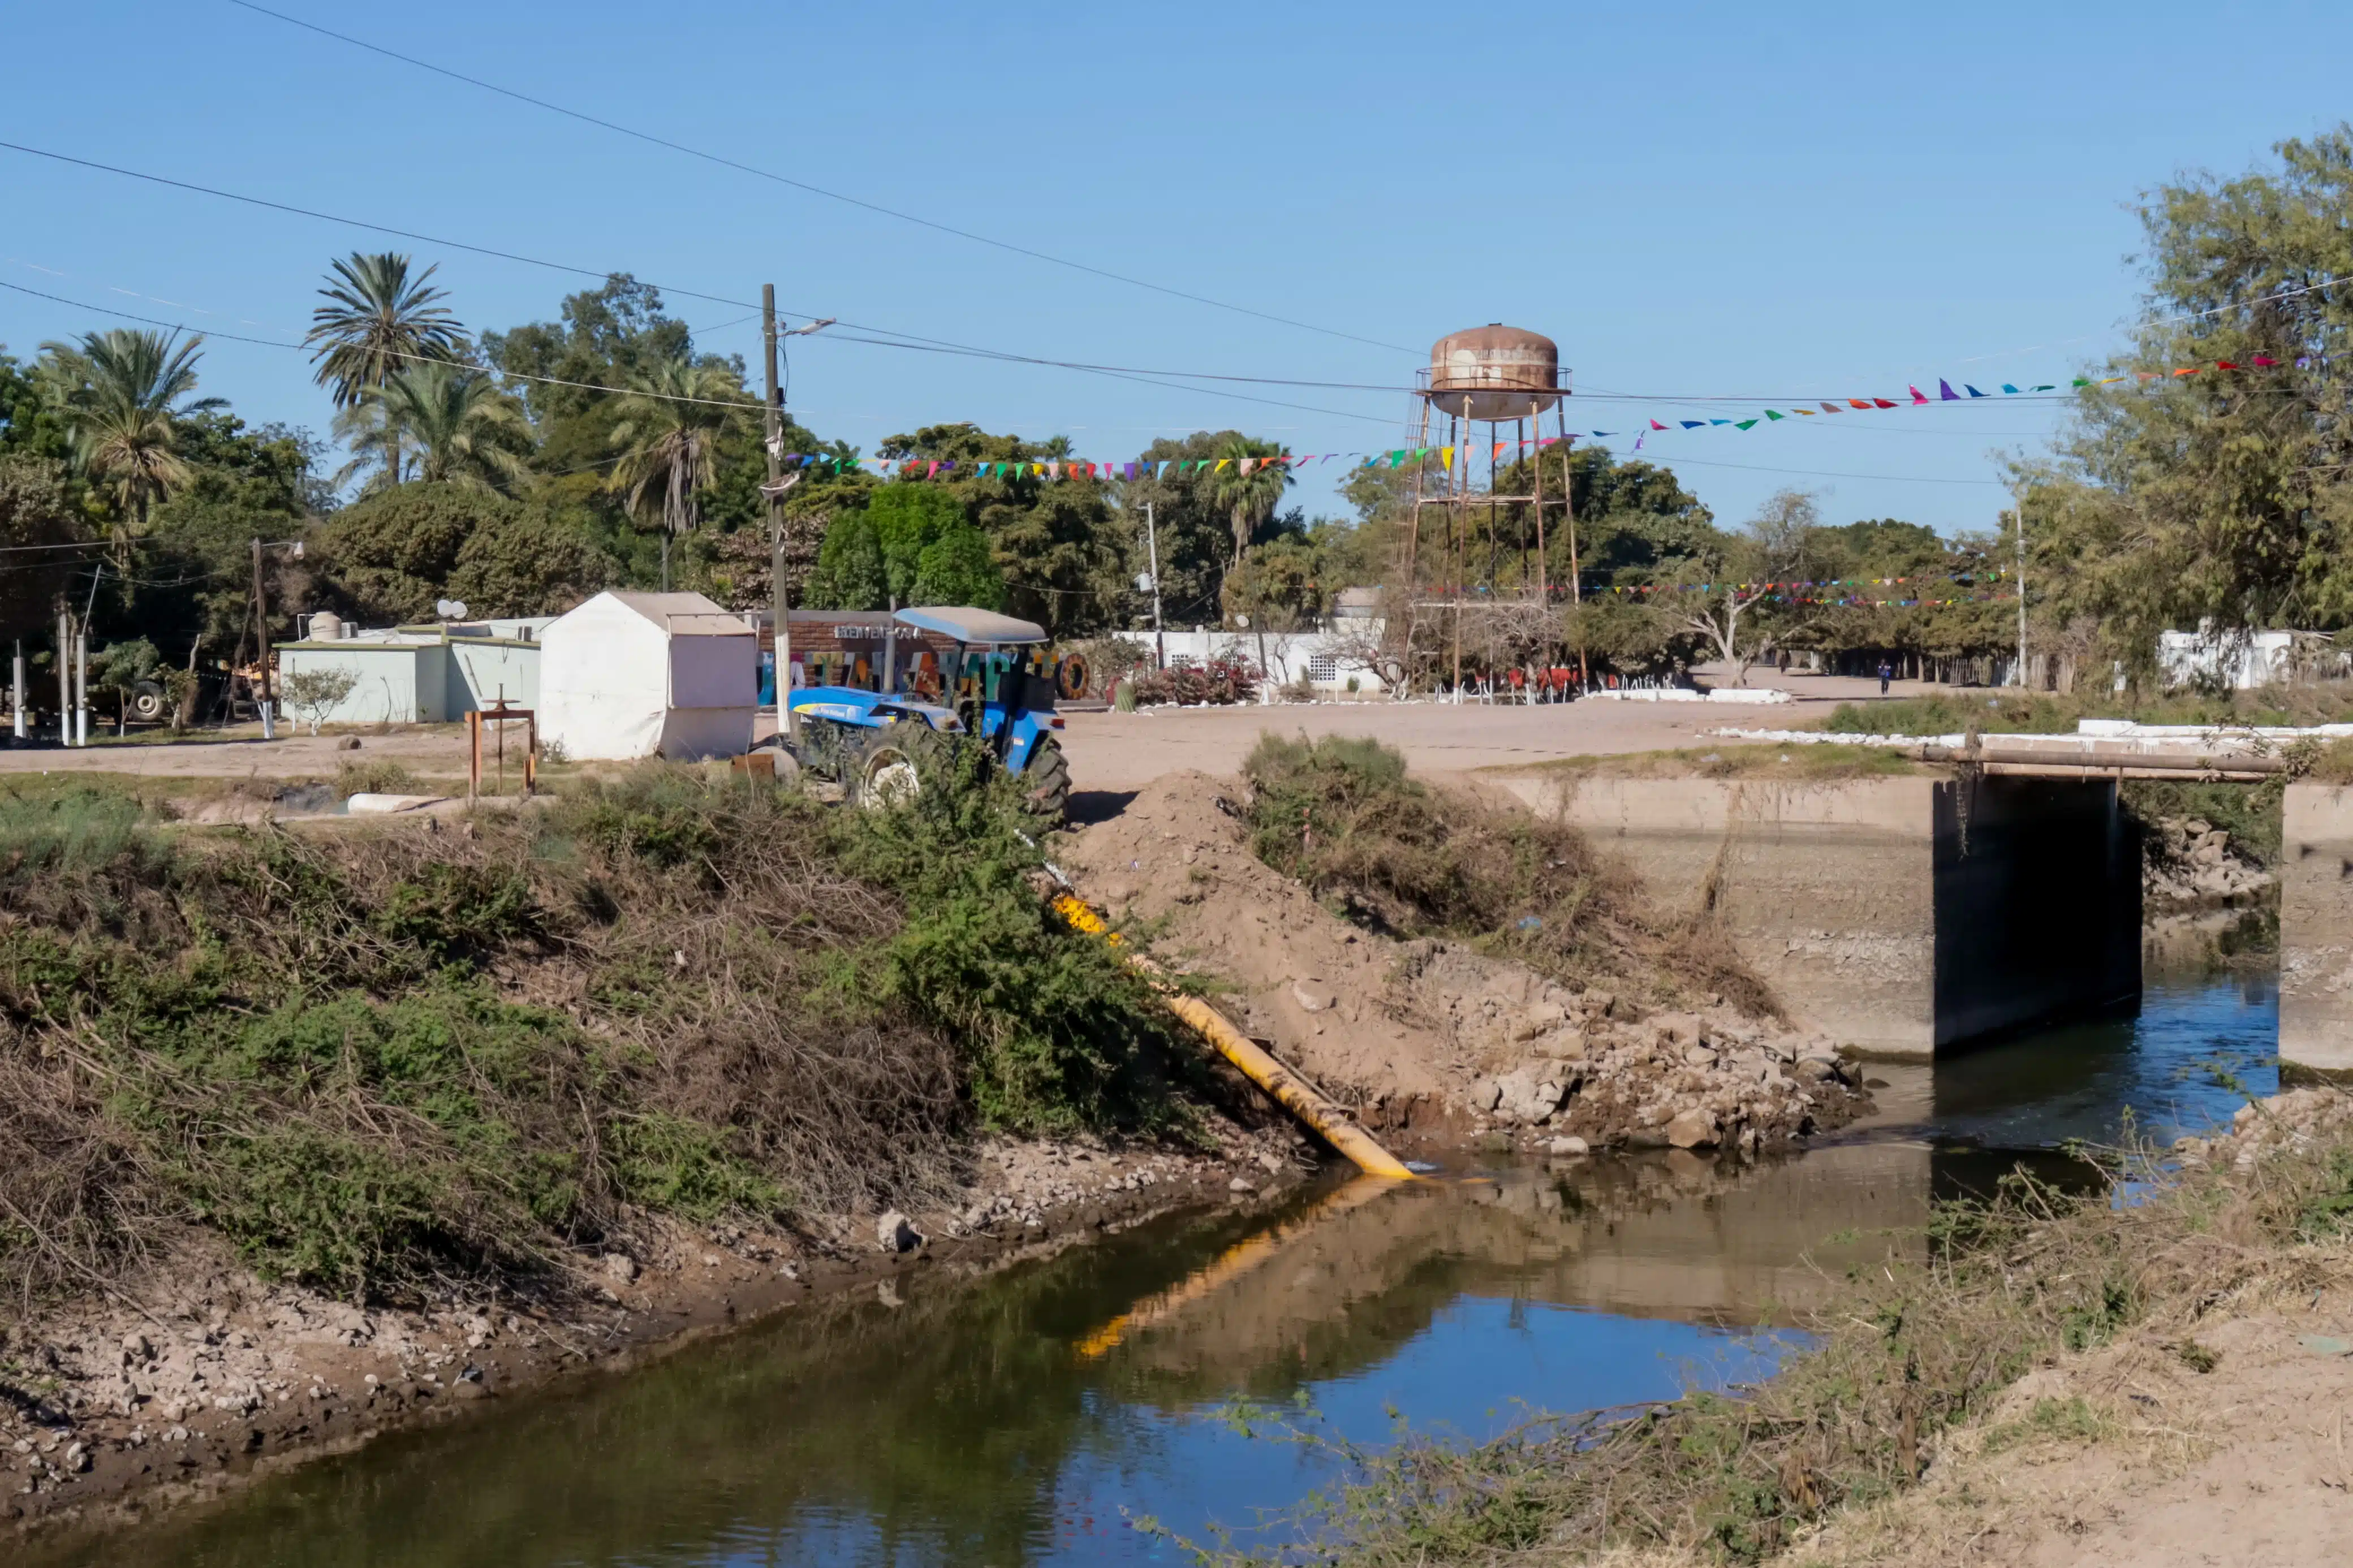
(1433,1036)
(2212,1431)
(197,1375)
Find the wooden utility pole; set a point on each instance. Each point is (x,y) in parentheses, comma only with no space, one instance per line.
(786,721)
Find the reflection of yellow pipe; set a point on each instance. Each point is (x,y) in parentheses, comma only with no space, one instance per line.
(1231,1264)
(1258,1067)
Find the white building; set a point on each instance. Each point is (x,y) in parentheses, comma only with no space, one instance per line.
(421,675)
(1335,658)
(634,675)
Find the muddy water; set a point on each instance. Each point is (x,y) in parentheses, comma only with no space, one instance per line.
(1035,1413)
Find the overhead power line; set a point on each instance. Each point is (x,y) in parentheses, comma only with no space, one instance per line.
(758,173)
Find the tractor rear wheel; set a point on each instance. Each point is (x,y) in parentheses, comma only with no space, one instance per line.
(1046,782)
(884,772)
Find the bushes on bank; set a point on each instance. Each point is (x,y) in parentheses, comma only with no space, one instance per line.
(1343,816)
(382,1056)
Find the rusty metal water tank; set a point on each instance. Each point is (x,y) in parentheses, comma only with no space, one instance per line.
(1493,372)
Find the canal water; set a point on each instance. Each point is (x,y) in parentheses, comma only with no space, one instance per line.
(1046,1412)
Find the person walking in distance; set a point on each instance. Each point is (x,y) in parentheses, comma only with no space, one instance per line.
(1886,674)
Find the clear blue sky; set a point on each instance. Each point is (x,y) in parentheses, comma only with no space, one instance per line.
(1783,200)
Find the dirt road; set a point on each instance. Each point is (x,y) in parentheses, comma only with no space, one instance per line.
(1110,752)
(1122,751)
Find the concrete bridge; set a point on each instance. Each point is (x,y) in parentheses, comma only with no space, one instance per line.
(1910,915)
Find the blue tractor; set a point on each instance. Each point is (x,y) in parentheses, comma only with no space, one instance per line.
(996,691)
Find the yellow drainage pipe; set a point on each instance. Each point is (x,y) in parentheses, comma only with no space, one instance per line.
(1295,1095)
(1231,1265)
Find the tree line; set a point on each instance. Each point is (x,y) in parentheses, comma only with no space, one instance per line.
(521,470)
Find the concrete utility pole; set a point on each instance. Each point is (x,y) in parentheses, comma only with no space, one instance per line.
(1159,638)
(2018,515)
(785,722)
(261,645)
(65,674)
(16,689)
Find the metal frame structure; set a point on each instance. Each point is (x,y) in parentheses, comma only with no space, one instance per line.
(1457,499)
(501,715)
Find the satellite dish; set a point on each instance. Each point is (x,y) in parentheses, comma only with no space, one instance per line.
(451,609)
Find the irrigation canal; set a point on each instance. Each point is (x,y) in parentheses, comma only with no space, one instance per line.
(1045,1412)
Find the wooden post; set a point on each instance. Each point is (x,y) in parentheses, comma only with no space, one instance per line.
(473,754)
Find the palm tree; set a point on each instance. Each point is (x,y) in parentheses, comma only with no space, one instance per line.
(463,428)
(1248,487)
(122,393)
(672,418)
(378,322)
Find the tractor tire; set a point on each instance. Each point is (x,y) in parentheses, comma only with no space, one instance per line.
(1071,677)
(890,767)
(1046,782)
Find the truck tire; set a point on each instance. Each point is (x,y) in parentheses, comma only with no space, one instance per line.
(1046,782)
(150,704)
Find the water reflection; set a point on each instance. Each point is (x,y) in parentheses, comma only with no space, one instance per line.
(1011,1417)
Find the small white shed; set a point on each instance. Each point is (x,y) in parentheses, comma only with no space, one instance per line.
(630,675)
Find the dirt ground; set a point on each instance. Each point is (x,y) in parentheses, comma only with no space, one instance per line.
(1111,754)
(1432,1036)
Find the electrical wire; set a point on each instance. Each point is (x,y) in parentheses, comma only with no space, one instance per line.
(804,186)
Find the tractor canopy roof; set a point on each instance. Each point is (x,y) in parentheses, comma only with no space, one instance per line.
(972,626)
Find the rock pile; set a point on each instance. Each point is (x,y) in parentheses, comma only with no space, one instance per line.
(2193,864)
(1594,1071)
(2296,1119)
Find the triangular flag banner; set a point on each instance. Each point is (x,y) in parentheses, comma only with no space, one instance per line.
(1245,465)
(1945,393)
(1656,426)
(1915,391)
(1743,424)
(2007,387)
(1773,414)
(1881,403)
(929,471)
(1222,464)
(1446,455)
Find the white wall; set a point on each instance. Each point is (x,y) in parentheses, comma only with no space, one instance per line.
(1288,654)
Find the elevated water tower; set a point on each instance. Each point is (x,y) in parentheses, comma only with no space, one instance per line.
(1501,378)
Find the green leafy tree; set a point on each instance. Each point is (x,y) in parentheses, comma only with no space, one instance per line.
(536,560)
(388,557)
(2222,496)
(194,588)
(37,508)
(850,573)
(673,421)
(377,323)
(463,429)
(959,568)
(122,394)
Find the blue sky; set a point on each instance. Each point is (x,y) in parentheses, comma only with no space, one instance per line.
(1780,200)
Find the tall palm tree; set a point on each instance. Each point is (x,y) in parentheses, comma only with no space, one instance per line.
(1248,487)
(462,427)
(672,418)
(378,321)
(122,393)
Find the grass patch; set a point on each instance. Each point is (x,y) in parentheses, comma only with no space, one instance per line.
(1907,1351)
(375,777)
(1810,763)
(1380,847)
(2013,712)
